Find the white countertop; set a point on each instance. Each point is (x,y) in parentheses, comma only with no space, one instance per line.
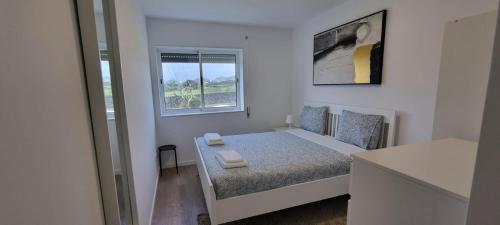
(445,165)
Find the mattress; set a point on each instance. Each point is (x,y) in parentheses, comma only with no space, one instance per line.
(275,159)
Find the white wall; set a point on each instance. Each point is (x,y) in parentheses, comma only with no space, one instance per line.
(484,206)
(267,58)
(47,165)
(138,104)
(411,62)
(465,69)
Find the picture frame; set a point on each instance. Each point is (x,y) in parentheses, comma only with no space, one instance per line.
(352,53)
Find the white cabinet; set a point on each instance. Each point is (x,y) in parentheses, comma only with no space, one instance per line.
(423,184)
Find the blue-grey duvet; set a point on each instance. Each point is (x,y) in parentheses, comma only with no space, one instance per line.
(275,159)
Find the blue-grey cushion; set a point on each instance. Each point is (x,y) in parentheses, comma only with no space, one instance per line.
(314,119)
(360,129)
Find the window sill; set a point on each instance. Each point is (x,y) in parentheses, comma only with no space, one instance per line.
(179,114)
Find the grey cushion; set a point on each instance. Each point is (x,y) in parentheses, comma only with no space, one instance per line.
(314,119)
(360,129)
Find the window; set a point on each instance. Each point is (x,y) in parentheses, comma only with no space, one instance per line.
(106,81)
(197,81)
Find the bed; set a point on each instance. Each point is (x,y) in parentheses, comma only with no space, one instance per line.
(285,168)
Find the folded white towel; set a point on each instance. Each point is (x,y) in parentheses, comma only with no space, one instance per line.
(230,165)
(213,139)
(230,156)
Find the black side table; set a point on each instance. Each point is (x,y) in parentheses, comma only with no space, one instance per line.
(168,148)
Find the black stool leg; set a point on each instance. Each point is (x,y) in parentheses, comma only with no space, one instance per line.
(176,167)
(159,159)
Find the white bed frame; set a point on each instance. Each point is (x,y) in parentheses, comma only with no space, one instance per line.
(248,205)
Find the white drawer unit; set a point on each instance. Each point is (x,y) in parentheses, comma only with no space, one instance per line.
(418,184)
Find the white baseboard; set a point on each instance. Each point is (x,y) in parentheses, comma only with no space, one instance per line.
(183,163)
(154,200)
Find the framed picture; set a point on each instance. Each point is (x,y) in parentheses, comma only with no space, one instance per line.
(352,53)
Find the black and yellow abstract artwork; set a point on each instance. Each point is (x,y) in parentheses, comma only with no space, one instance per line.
(351,53)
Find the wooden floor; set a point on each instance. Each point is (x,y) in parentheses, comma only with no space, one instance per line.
(180,198)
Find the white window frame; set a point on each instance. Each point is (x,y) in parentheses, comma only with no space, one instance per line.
(203,110)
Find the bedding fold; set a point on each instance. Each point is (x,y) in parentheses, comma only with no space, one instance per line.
(230,165)
(230,156)
(213,139)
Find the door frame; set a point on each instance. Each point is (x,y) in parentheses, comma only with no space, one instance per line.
(86,18)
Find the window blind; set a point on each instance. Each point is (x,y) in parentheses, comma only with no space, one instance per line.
(194,58)
(179,58)
(218,58)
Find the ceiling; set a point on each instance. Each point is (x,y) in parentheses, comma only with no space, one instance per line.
(271,13)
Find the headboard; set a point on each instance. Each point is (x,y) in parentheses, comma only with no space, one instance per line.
(335,110)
